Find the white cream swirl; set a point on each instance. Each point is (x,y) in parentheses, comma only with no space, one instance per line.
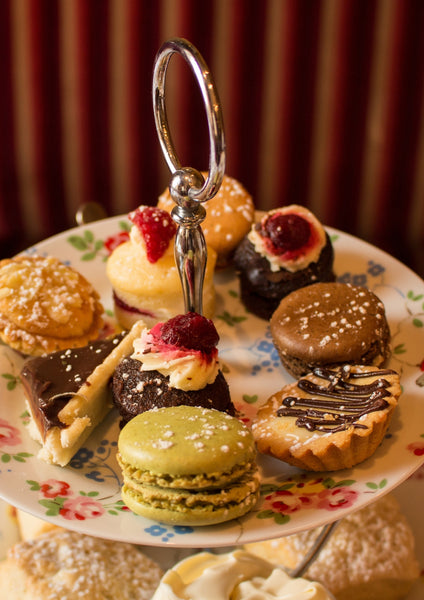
(236,575)
(187,369)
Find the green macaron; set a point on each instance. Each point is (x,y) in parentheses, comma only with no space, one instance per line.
(188,465)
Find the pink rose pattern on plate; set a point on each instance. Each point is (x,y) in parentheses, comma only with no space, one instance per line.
(279,501)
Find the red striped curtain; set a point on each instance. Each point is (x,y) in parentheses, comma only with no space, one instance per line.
(322,102)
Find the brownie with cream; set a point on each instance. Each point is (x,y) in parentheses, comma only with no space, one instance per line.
(286,250)
(174,363)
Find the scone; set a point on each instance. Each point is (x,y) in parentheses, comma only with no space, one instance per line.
(286,250)
(143,273)
(70,566)
(173,363)
(370,555)
(46,306)
(329,419)
(229,216)
(68,395)
(188,466)
(328,324)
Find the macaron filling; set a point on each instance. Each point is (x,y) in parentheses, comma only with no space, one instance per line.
(188,465)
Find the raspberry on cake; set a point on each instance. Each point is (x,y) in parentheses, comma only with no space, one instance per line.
(286,250)
(144,276)
(173,363)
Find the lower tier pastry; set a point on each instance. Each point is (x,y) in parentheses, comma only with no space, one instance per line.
(67,565)
(370,555)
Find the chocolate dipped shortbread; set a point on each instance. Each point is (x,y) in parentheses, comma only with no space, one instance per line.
(328,324)
(331,419)
(67,393)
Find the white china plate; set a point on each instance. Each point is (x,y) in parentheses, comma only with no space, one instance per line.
(85,495)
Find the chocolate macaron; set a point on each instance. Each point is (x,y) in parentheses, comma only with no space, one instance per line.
(328,324)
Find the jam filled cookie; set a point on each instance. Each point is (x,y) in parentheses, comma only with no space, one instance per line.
(330,419)
(369,556)
(70,565)
(46,306)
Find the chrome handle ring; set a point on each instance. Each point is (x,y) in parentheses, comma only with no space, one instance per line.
(186,183)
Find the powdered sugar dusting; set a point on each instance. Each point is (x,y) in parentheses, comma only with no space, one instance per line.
(68,564)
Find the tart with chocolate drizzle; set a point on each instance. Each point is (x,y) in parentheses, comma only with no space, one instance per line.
(330,419)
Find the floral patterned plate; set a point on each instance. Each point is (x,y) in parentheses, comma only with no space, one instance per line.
(85,495)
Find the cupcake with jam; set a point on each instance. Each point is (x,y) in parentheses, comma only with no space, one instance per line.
(144,275)
(174,363)
(286,250)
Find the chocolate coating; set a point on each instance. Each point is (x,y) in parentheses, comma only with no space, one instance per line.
(337,402)
(135,391)
(51,381)
(262,289)
(327,324)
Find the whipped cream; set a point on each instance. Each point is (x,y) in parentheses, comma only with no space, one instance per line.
(292,261)
(236,575)
(187,369)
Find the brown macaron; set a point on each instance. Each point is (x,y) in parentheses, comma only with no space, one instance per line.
(327,324)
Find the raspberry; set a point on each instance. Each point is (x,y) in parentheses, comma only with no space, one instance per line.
(116,240)
(287,232)
(157,228)
(191,331)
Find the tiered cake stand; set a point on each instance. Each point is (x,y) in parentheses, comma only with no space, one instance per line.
(85,495)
